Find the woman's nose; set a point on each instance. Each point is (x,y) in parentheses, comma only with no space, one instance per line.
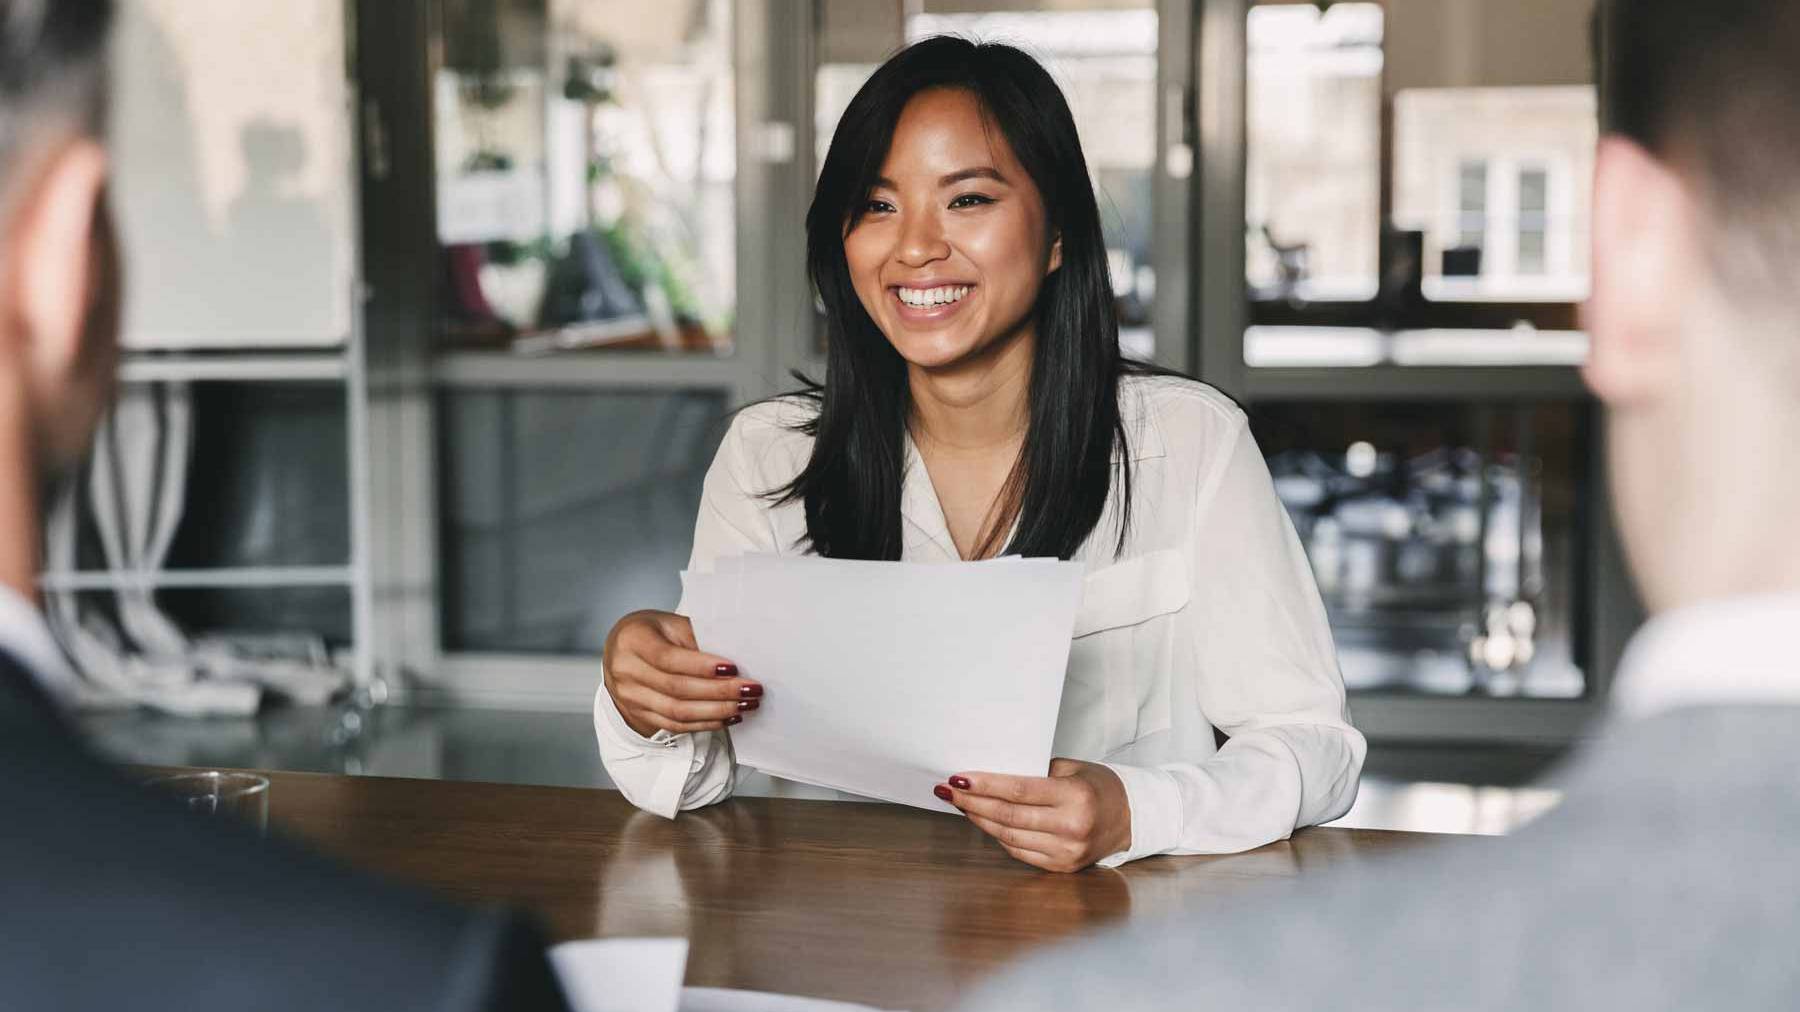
(921,241)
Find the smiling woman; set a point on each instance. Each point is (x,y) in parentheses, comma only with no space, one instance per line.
(975,403)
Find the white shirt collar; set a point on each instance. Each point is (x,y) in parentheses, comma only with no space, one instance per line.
(1740,651)
(24,634)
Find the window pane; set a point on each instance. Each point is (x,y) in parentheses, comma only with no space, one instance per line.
(1105,61)
(562,510)
(585,157)
(1537,145)
(1447,542)
(1313,183)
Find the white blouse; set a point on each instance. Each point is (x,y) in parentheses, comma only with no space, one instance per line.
(1209,618)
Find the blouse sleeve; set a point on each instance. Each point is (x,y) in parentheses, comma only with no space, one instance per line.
(1266,674)
(667,773)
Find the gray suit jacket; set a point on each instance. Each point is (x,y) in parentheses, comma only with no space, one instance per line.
(1668,878)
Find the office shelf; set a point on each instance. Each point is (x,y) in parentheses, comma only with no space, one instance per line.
(170,579)
(244,367)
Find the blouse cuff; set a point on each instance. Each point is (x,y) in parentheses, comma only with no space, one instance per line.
(650,772)
(1155,802)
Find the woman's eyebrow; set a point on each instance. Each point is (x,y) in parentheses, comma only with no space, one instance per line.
(979,172)
(959,176)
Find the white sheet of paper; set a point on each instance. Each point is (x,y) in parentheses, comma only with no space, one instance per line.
(621,974)
(719,999)
(883,678)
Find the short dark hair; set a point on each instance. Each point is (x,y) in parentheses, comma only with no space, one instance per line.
(52,72)
(1712,87)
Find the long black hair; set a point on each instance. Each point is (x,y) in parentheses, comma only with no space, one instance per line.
(852,484)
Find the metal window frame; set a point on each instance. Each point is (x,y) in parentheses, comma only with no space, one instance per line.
(772,42)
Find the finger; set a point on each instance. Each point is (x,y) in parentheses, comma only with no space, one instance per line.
(1022,839)
(1006,813)
(1019,790)
(1064,767)
(681,660)
(687,711)
(679,629)
(677,715)
(697,689)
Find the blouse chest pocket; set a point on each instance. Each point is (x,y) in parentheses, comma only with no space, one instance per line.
(1117,690)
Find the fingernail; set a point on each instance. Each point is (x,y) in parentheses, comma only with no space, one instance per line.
(726,670)
(733,719)
(748,704)
(750,691)
(942,792)
(960,783)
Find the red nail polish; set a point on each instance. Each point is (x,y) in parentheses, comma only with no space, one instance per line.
(750,691)
(733,719)
(960,783)
(748,704)
(726,670)
(942,792)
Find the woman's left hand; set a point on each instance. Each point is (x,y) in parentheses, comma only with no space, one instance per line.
(1063,822)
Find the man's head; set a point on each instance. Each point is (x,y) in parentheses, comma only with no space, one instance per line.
(1695,312)
(59,277)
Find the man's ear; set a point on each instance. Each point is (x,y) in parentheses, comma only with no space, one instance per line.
(1645,266)
(50,257)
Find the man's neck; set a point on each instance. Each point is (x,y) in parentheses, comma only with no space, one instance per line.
(976,407)
(1732,509)
(19,525)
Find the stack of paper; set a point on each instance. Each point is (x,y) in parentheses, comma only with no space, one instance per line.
(883,678)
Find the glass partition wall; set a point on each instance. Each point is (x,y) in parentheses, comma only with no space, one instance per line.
(1401,320)
(610,195)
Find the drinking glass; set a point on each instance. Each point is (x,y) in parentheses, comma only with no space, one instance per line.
(243,796)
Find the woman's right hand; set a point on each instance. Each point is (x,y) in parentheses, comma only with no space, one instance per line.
(660,681)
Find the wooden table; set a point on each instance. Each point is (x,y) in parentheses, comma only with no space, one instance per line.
(891,906)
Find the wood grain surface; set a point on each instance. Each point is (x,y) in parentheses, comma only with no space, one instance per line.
(895,907)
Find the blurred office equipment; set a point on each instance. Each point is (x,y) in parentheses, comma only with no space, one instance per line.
(1417,392)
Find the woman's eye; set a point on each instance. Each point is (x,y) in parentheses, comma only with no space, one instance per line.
(971,200)
(877,207)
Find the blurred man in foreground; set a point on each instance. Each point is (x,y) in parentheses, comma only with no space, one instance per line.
(1667,877)
(115,899)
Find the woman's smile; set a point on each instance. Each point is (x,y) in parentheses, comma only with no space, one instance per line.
(931,304)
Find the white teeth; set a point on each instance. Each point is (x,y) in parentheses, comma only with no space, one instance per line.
(927,297)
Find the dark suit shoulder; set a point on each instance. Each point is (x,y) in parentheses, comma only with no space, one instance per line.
(117,899)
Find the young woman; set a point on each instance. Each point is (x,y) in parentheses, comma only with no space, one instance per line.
(975,403)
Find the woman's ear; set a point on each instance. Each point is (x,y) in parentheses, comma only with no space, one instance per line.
(1055,255)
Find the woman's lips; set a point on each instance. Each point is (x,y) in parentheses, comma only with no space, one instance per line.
(929,314)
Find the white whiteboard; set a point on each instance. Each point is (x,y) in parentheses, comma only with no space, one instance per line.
(233,173)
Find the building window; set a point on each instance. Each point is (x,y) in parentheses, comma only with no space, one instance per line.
(1534,220)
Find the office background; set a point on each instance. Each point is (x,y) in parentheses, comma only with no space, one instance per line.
(441,306)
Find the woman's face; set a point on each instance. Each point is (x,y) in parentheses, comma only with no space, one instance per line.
(952,247)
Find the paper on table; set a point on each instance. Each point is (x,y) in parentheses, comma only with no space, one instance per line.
(883,678)
(718,999)
(621,974)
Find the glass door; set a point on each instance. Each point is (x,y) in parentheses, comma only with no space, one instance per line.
(1399,311)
